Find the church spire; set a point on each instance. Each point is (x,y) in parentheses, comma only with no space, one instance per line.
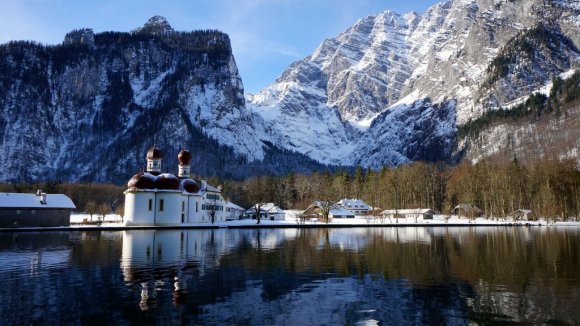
(154,157)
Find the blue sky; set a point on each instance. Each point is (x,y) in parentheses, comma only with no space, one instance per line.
(266,35)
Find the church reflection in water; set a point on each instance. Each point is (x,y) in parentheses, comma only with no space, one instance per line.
(155,259)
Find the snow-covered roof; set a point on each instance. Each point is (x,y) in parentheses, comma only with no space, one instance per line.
(407,211)
(234,206)
(270,208)
(353,203)
(320,203)
(211,188)
(17,200)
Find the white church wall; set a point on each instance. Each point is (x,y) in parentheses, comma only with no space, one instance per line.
(139,208)
(168,210)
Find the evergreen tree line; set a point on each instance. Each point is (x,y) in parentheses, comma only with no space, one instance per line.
(551,189)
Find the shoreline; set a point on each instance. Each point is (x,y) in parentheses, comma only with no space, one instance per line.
(438,221)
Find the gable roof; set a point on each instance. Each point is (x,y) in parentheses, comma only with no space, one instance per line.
(320,204)
(17,200)
(353,203)
(211,188)
(234,206)
(269,208)
(467,207)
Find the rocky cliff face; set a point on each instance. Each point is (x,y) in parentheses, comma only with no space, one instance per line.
(544,125)
(409,132)
(389,90)
(478,54)
(89,108)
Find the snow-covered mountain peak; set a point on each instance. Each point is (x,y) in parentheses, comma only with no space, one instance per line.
(388,15)
(388,90)
(412,19)
(467,3)
(387,62)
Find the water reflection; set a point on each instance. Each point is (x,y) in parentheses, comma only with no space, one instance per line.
(153,260)
(293,276)
(414,275)
(33,257)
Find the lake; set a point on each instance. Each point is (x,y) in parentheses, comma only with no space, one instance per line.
(325,276)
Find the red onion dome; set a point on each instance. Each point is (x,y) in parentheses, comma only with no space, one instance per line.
(142,180)
(184,157)
(190,186)
(167,181)
(154,153)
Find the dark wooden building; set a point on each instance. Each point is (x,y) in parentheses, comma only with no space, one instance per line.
(34,210)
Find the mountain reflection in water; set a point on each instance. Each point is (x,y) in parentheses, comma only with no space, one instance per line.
(295,276)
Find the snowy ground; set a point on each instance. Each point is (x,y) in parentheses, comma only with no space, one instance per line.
(113,220)
(84,218)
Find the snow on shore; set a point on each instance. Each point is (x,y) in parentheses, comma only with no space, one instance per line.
(113,220)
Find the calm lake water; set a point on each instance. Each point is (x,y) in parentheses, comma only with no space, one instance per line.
(361,276)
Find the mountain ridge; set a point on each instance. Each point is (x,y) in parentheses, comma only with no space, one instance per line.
(391,61)
(389,90)
(89,108)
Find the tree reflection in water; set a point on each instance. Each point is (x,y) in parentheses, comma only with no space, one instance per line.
(292,276)
(406,275)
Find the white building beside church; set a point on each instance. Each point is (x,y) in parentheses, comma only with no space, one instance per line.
(156,198)
(234,212)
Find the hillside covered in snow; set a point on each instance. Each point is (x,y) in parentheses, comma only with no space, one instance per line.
(389,90)
(88,109)
(393,88)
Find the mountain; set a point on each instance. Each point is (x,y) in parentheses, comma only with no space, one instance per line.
(466,79)
(88,109)
(356,99)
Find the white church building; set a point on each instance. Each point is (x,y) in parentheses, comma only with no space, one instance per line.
(156,198)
